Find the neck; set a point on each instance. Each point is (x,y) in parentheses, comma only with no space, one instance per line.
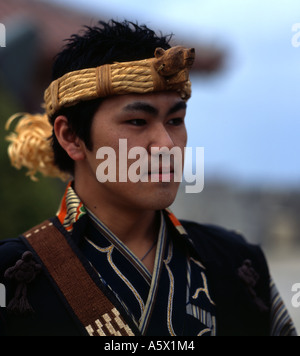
(132,226)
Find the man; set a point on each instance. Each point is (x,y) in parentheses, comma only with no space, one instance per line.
(115,260)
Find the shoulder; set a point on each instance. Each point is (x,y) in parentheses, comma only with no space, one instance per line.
(223,245)
(238,276)
(213,234)
(10,251)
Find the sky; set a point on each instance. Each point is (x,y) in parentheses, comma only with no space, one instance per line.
(247,118)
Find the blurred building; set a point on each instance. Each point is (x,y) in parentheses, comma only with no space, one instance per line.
(266,216)
(36,30)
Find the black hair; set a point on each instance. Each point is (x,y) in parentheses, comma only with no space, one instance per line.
(102,44)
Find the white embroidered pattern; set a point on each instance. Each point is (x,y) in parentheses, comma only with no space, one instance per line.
(109,324)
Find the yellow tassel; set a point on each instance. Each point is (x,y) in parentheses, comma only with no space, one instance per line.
(30,145)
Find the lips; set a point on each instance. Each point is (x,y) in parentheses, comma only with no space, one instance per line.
(162,170)
(164,174)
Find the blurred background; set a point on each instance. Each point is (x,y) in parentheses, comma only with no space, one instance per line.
(244,111)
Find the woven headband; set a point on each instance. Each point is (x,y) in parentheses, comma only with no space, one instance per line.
(168,70)
(30,144)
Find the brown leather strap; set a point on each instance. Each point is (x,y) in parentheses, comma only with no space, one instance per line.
(93,309)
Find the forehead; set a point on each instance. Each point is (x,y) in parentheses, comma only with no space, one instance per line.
(153,103)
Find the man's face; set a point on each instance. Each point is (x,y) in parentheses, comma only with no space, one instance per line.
(150,121)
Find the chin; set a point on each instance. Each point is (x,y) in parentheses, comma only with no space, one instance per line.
(160,199)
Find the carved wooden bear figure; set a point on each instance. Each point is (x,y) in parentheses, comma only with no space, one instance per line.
(173,60)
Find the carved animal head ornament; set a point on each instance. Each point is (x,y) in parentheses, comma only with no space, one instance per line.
(169,62)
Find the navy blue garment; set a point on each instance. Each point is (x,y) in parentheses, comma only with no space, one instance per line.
(173,301)
(240,309)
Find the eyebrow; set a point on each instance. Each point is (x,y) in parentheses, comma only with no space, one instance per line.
(141,106)
(149,109)
(181,105)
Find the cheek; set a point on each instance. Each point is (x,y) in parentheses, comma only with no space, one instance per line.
(104,137)
(180,139)
(182,142)
(185,136)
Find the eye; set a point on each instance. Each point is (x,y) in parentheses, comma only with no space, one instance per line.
(176,121)
(137,122)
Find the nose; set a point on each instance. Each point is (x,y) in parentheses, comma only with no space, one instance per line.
(160,137)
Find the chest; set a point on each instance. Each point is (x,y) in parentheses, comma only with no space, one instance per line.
(169,295)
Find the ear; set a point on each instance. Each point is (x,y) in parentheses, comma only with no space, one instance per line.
(68,140)
(159,52)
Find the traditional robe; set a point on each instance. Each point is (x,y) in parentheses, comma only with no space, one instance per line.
(201,285)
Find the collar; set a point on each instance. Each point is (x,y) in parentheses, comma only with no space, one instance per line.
(72,209)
